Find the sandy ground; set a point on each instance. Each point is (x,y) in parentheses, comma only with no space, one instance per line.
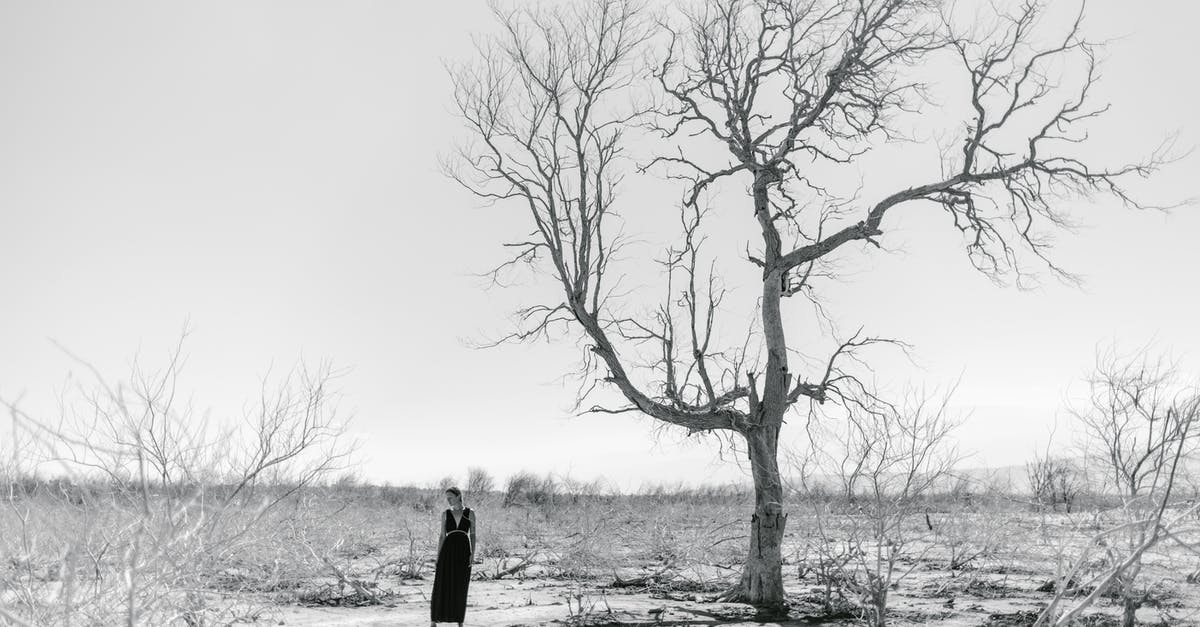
(929,597)
(998,592)
(533,603)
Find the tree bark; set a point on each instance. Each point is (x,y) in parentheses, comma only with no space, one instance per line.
(1129,613)
(1130,601)
(761,583)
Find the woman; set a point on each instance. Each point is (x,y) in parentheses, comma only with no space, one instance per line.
(456,553)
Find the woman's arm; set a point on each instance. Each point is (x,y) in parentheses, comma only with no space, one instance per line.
(474,533)
(441,533)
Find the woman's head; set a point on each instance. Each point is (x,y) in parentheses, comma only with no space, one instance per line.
(454,496)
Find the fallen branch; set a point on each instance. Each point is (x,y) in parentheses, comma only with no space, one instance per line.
(643,580)
(526,562)
(343,579)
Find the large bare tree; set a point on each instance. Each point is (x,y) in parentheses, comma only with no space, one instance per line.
(763,97)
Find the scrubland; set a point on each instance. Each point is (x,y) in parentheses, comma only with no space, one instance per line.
(158,518)
(358,554)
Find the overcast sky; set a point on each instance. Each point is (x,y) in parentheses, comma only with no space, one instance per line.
(268,171)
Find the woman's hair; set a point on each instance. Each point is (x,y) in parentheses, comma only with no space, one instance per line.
(455,491)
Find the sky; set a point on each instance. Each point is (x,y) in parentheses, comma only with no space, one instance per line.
(266,173)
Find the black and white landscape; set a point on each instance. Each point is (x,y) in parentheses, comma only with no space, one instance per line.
(729,312)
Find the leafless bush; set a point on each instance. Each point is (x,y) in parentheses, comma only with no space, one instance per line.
(526,487)
(1141,420)
(413,558)
(828,562)
(970,538)
(1054,481)
(582,553)
(479,482)
(885,459)
(574,490)
(583,606)
(517,486)
(162,500)
(347,481)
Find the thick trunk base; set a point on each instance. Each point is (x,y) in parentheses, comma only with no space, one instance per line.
(761,583)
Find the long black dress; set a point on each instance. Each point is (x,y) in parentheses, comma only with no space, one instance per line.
(449,601)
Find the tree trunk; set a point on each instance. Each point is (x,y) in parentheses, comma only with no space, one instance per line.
(761,584)
(1129,615)
(1130,602)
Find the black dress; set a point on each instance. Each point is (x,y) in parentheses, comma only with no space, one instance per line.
(449,601)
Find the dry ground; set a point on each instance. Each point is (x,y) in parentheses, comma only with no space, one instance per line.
(365,557)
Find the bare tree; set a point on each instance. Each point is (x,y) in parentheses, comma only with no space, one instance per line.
(1143,423)
(786,90)
(886,462)
(161,499)
(1053,480)
(479,482)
